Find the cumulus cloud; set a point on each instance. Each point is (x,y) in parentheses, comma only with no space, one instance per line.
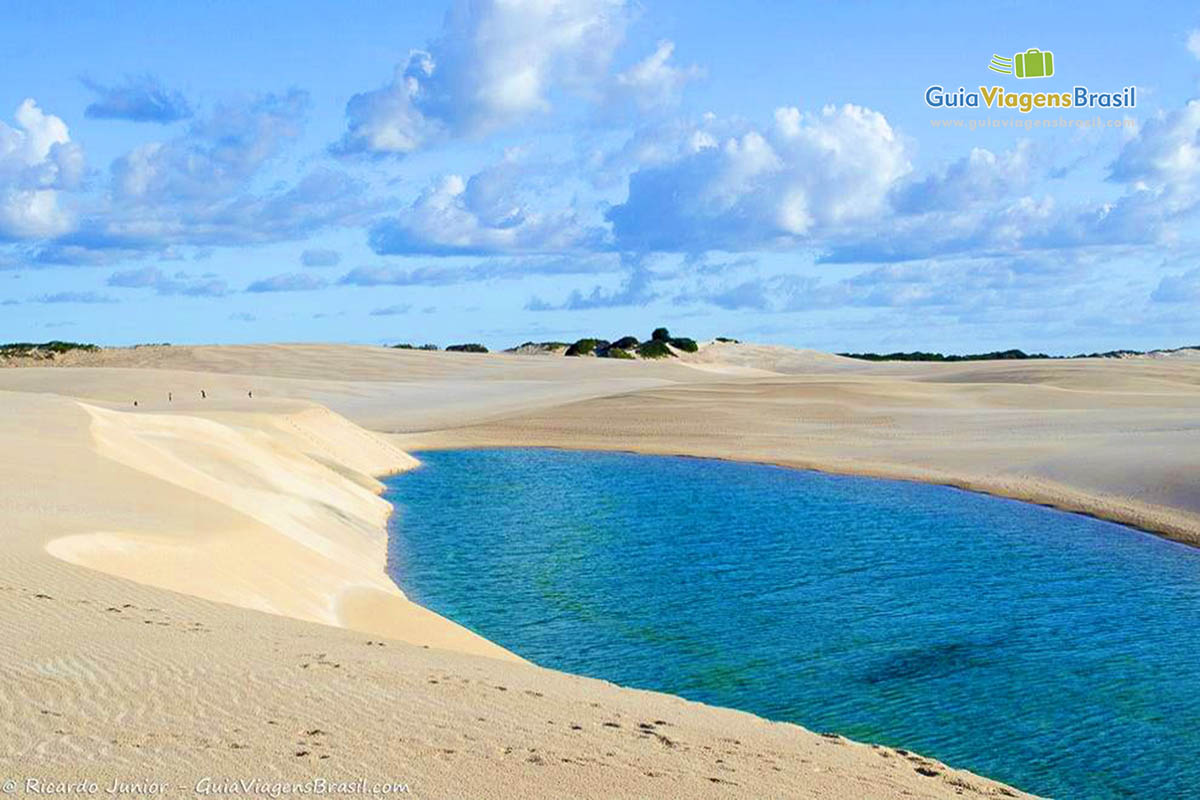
(983,203)
(205,187)
(495,63)
(139,99)
(807,175)
(979,174)
(320,258)
(1181,288)
(988,203)
(321,198)
(1193,42)
(840,182)
(217,154)
(37,161)
(179,284)
(484,214)
(1009,224)
(288,282)
(1164,156)
(654,82)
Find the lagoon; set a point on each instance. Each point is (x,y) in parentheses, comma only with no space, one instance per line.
(1048,650)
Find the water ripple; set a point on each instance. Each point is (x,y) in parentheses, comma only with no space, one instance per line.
(1049,650)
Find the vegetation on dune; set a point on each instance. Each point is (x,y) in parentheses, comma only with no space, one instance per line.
(999,355)
(532,345)
(727,340)
(655,348)
(663,336)
(50,349)
(407,346)
(586,347)
(685,344)
(918,355)
(469,347)
(659,345)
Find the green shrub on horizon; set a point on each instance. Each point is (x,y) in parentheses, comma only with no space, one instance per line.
(470,347)
(919,355)
(661,335)
(615,352)
(55,347)
(654,348)
(407,346)
(685,344)
(585,347)
(545,345)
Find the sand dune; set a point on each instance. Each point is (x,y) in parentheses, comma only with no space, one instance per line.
(196,587)
(1118,439)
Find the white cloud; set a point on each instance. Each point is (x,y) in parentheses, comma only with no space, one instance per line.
(207,186)
(217,155)
(654,83)
(180,283)
(37,161)
(388,120)
(805,176)
(1181,288)
(984,201)
(482,215)
(288,282)
(496,62)
(1166,152)
(981,174)
(1193,42)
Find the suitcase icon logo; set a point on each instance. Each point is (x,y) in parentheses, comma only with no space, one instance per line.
(1033,63)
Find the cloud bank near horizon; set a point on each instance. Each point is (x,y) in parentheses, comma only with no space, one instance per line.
(793,210)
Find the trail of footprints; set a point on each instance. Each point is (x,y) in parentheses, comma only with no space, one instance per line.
(313,743)
(649,731)
(128,611)
(719,754)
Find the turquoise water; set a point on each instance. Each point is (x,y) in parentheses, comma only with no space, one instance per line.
(1045,649)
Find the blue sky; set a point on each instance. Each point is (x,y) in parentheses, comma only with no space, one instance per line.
(502,171)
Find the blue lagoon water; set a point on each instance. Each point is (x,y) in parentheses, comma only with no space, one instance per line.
(1053,651)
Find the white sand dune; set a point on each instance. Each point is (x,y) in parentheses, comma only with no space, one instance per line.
(195,587)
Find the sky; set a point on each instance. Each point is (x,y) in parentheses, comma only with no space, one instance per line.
(499,171)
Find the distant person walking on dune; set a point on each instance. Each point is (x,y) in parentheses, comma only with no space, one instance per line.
(250,395)
(203,395)
(170,397)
